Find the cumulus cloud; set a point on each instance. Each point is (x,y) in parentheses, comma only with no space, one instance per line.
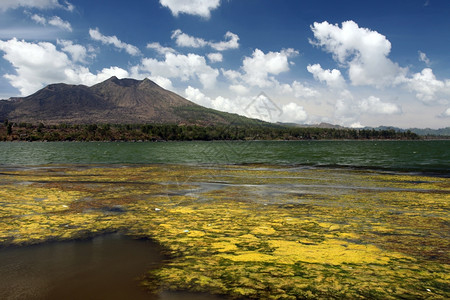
(183,67)
(239,89)
(333,78)
(259,68)
(348,110)
(78,53)
(215,57)
(363,51)
(184,40)
(292,112)
(200,8)
(427,87)
(259,107)
(39,4)
(113,40)
(219,103)
(163,82)
(231,42)
(39,64)
(160,49)
(302,91)
(54,21)
(374,105)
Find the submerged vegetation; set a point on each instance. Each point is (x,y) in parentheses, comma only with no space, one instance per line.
(250,231)
(154,132)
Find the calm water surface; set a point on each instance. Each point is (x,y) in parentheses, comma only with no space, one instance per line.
(416,156)
(105,267)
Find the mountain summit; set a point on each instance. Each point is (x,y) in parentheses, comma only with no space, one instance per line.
(115,101)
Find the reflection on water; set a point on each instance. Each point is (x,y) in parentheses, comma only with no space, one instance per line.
(105,267)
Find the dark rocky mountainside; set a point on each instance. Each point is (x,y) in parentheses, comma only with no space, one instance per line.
(114,101)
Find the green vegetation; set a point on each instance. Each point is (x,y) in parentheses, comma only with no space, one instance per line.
(153,132)
(257,232)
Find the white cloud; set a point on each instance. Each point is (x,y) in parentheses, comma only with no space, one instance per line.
(258,68)
(374,105)
(427,87)
(232,42)
(39,64)
(301,91)
(39,19)
(219,103)
(215,57)
(239,89)
(200,8)
(163,82)
(184,40)
(294,113)
(263,108)
(446,113)
(231,75)
(60,23)
(160,49)
(348,111)
(363,51)
(423,57)
(356,125)
(113,40)
(54,21)
(333,78)
(78,53)
(39,4)
(196,96)
(260,107)
(84,76)
(184,67)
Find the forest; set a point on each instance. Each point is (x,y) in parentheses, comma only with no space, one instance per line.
(171,132)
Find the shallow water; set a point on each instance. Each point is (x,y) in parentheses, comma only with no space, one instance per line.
(105,267)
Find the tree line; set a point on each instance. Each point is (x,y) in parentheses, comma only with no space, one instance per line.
(172,132)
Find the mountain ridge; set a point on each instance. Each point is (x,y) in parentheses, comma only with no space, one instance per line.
(114,101)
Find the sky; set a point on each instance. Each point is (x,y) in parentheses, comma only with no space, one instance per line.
(349,62)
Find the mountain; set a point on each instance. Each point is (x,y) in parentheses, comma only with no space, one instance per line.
(444,132)
(114,101)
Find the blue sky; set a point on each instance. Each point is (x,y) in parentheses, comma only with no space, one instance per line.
(353,63)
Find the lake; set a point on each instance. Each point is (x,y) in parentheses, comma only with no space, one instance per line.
(416,156)
(254,219)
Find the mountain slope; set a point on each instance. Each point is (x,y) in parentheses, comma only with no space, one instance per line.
(118,101)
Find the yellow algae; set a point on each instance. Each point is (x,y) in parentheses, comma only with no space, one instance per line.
(248,231)
(266,230)
(250,256)
(224,246)
(332,252)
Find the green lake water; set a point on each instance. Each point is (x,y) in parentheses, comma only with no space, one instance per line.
(414,156)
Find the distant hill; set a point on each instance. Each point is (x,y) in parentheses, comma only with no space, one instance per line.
(420,131)
(114,101)
(444,132)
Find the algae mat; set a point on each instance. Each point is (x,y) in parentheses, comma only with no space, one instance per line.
(249,231)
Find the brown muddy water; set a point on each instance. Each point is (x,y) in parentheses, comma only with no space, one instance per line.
(105,267)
